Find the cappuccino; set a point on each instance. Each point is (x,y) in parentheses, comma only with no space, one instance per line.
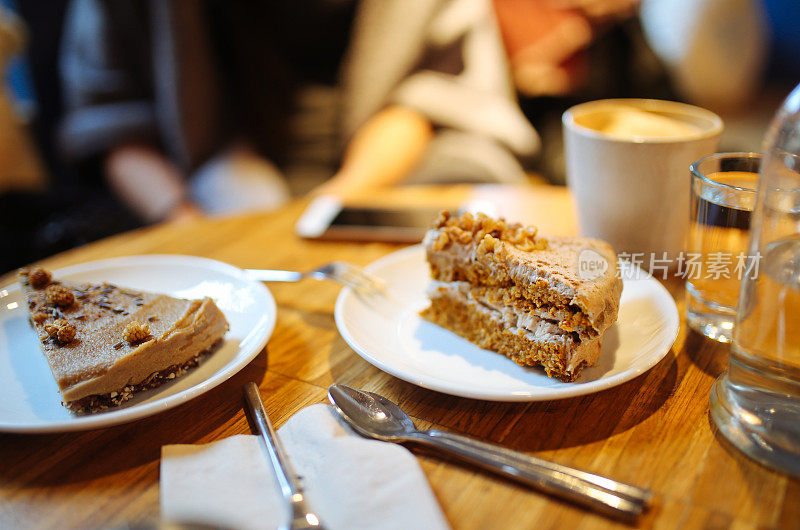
(625,122)
(627,161)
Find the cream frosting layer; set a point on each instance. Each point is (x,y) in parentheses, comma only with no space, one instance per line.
(510,302)
(527,325)
(198,327)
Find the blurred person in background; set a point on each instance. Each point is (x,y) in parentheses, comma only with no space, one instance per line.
(185,103)
(473,90)
(42,211)
(431,94)
(178,107)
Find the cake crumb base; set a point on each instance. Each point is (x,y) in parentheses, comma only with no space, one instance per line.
(486,333)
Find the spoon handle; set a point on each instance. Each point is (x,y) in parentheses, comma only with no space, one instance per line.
(593,491)
(632,493)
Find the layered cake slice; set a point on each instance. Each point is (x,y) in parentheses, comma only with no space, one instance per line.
(541,302)
(105,343)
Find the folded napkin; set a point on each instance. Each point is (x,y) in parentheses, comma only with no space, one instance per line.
(350,482)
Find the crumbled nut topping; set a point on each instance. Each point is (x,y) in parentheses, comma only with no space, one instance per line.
(39,277)
(441,221)
(466,221)
(441,242)
(39,317)
(60,296)
(467,228)
(487,245)
(61,330)
(136,331)
(22,274)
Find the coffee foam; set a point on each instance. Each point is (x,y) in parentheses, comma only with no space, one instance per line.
(628,122)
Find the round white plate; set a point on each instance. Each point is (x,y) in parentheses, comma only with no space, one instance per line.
(29,397)
(389,333)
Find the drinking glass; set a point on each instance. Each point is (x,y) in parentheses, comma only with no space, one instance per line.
(723,195)
(756,404)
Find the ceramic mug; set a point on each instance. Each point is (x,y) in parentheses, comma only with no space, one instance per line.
(628,169)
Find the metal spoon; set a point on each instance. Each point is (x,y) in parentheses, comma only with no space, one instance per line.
(374,416)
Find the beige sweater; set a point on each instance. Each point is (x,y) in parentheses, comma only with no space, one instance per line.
(444,59)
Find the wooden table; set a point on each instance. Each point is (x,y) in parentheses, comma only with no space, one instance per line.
(653,431)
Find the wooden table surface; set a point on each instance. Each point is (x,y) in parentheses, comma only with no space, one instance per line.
(653,431)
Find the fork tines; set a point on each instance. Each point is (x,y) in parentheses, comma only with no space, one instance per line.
(356,278)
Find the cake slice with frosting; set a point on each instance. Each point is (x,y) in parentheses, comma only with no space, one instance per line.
(104,343)
(540,301)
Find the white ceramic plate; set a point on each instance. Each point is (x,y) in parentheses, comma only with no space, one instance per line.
(29,397)
(388,333)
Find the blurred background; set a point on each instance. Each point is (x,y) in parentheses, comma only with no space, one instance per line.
(119,114)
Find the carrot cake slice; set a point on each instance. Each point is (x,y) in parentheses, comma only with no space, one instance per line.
(104,343)
(541,302)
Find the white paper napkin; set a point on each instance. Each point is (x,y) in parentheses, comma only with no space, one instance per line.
(350,482)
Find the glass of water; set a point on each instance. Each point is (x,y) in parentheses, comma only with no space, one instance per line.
(756,404)
(723,195)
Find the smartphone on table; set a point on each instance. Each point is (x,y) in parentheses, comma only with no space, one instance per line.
(328,218)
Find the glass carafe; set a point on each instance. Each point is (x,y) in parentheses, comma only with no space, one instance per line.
(756,404)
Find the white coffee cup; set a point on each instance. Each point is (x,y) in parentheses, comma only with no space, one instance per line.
(628,169)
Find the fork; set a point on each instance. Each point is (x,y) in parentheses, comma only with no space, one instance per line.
(339,271)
